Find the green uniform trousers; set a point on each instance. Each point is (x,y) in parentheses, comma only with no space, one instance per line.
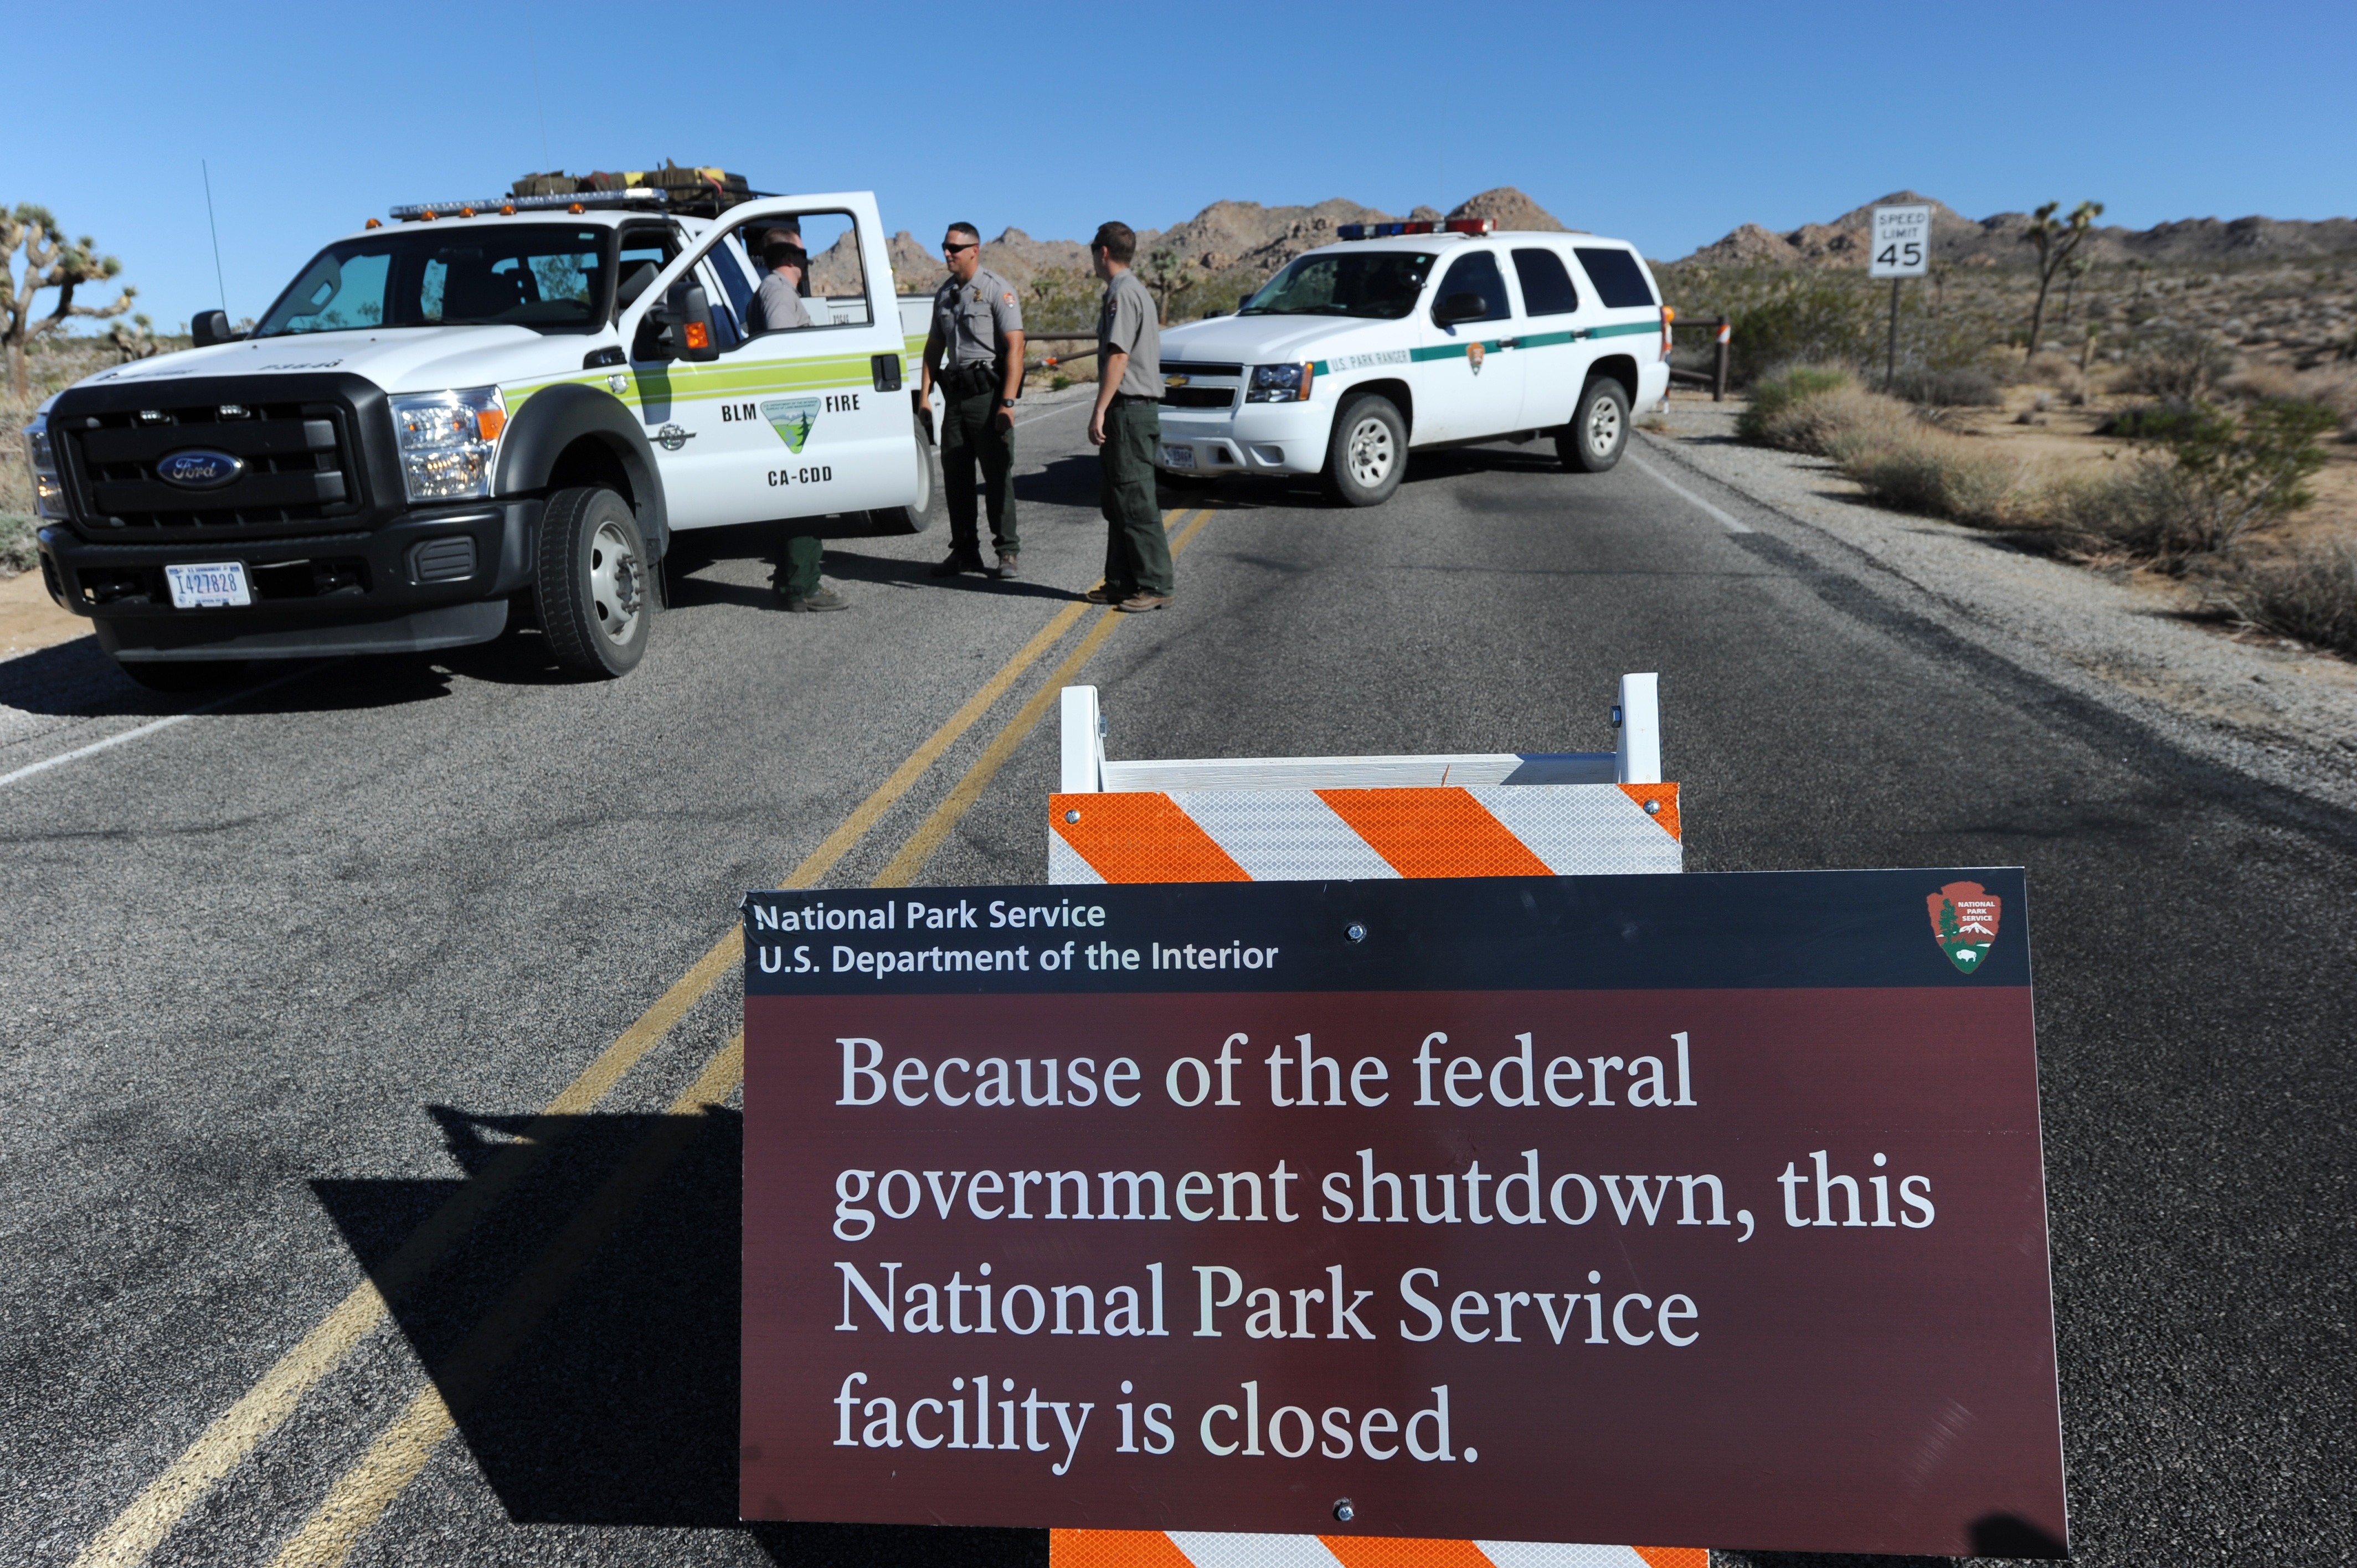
(797,558)
(970,436)
(1137,549)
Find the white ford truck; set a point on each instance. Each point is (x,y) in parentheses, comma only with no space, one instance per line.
(479,410)
(1417,335)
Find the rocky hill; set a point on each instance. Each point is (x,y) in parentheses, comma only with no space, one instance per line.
(1997,241)
(1225,248)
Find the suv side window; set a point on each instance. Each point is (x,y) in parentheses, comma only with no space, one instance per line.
(1478,274)
(1619,282)
(1546,284)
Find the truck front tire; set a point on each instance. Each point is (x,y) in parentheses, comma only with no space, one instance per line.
(595,587)
(1599,431)
(1367,456)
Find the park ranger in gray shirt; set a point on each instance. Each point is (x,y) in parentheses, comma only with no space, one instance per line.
(975,351)
(778,305)
(1127,428)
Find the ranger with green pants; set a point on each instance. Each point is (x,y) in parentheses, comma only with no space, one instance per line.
(1126,426)
(975,351)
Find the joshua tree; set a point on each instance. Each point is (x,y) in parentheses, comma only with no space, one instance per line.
(2076,269)
(136,341)
(2057,240)
(50,261)
(1166,275)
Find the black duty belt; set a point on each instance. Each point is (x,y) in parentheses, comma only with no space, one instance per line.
(1122,398)
(973,377)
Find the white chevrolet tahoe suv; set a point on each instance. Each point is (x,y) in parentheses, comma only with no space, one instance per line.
(480,409)
(1417,334)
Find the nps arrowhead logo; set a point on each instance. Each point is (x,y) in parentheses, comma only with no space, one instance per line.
(1963,922)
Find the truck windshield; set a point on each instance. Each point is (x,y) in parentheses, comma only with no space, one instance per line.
(551,277)
(1380,285)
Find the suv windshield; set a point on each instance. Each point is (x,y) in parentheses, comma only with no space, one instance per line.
(551,277)
(1382,284)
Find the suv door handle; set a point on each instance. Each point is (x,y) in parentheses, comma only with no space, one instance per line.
(886,370)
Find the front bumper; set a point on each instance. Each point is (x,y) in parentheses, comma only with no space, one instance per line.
(1257,438)
(434,579)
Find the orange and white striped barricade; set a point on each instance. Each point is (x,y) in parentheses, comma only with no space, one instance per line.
(1308,817)
(1313,818)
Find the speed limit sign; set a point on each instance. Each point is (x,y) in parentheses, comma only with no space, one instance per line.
(1902,242)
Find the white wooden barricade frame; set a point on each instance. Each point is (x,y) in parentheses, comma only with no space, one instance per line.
(1637,759)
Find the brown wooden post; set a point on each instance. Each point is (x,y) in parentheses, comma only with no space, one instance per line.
(1718,372)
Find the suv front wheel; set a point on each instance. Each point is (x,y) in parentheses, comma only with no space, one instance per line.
(1367,456)
(595,587)
(1599,431)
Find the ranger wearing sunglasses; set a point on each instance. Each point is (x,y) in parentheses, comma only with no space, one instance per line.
(976,352)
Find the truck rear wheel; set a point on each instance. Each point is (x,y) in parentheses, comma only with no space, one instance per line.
(1367,454)
(1599,431)
(595,585)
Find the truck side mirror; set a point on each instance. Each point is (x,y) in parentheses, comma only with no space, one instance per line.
(687,312)
(211,326)
(1460,308)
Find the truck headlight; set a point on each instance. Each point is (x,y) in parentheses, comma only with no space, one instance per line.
(449,441)
(1279,383)
(49,495)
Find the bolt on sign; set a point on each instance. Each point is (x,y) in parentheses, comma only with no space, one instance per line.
(1686,1210)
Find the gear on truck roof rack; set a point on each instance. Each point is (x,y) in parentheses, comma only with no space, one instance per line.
(694,192)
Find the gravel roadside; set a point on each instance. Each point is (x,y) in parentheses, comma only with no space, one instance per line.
(2279,713)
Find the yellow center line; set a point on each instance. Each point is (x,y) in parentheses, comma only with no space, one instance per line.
(401,1453)
(906,866)
(141,1527)
(402,1450)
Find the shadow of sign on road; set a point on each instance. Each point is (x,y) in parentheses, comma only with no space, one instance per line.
(619,1408)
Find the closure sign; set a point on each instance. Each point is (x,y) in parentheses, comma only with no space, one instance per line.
(1686,1210)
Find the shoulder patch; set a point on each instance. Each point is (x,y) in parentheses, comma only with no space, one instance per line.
(1008,297)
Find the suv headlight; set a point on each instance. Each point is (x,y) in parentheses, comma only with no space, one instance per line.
(48,496)
(1279,383)
(449,441)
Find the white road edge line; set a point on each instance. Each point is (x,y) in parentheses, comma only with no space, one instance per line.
(151,727)
(1727,519)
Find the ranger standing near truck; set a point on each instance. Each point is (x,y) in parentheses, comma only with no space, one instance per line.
(975,351)
(1125,427)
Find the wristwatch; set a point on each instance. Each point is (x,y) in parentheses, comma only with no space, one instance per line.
(1006,402)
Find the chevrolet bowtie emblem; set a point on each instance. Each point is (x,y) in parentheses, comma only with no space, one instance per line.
(1174,381)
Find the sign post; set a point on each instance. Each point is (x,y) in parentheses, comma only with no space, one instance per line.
(1903,249)
(1676,1209)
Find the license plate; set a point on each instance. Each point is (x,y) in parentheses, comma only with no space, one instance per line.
(208,587)
(1178,456)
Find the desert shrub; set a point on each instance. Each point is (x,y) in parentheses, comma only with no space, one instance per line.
(2260,383)
(2137,507)
(2212,476)
(2309,594)
(2147,421)
(1966,387)
(2175,363)
(1061,299)
(2047,368)
(1917,469)
(1809,317)
(19,552)
(1776,400)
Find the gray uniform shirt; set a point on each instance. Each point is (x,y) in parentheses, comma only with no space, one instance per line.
(776,306)
(1127,325)
(970,317)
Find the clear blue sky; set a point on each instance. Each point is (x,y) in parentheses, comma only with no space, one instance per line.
(1667,125)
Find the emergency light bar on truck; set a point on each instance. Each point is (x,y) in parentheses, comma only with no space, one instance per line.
(1416,226)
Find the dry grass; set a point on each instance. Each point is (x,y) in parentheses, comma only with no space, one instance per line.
(1895,455)
(2309,592)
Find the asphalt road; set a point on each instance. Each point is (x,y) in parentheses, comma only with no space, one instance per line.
(292,973)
